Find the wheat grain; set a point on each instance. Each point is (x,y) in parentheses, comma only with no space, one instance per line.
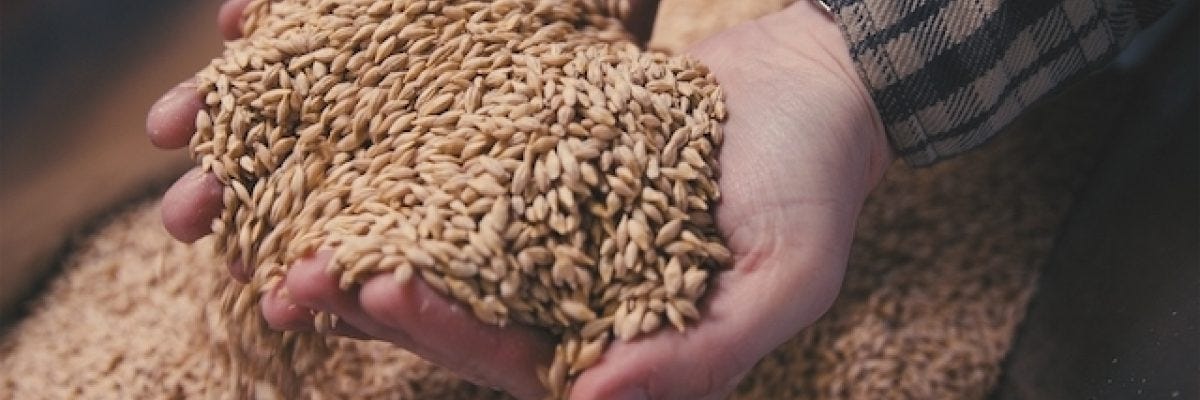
(520,156)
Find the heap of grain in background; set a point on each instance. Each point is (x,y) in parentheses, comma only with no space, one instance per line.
(521,156)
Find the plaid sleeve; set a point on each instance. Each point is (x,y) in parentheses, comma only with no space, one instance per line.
(947,74)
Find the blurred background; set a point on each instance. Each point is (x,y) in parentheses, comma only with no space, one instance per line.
(1122,283)
(78,77)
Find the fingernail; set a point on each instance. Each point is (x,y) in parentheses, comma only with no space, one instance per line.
(174,96)
(635,393)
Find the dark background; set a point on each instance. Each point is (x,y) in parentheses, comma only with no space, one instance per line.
(76,80)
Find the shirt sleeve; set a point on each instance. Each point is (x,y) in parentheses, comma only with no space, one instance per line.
(947,75)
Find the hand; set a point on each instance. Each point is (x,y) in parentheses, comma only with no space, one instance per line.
(803,148)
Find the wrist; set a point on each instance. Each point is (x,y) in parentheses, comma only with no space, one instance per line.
(791,72)
(812,30)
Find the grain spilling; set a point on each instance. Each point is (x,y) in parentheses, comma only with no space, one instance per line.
(523,157)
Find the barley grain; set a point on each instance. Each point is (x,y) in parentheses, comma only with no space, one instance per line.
(520,156)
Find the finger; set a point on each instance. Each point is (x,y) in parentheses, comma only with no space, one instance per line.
(172,119)
(310,286)
(229,18)
(191,204)
(503,356)
(284,315)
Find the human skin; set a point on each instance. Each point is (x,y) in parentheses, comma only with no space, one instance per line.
(803,148)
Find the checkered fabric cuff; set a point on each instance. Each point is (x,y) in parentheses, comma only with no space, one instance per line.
(947,75)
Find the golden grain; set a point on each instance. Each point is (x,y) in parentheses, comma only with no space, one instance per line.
(520,156)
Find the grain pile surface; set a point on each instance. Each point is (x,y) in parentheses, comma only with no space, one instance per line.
(523,157)
(133,317)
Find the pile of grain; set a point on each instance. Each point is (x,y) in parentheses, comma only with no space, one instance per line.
(521,156)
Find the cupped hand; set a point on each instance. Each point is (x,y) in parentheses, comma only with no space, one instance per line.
(803,147)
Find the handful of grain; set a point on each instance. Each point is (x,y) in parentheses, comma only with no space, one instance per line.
(521,156)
